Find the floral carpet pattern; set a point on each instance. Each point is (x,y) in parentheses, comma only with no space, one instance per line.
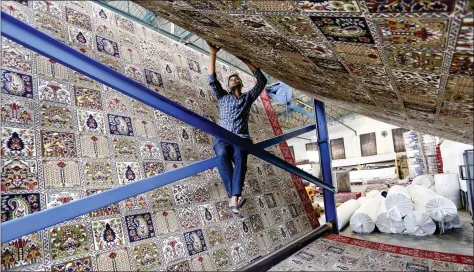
(337,253)
(66,137)
(315,47)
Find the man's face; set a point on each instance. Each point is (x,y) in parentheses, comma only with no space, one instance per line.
(234,82)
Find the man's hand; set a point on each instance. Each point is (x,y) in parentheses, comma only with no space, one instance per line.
(212,57)
(252,67)
(213,49)
(244,60)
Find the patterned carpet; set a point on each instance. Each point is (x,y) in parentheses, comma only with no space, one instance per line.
(336,252)
(408,63)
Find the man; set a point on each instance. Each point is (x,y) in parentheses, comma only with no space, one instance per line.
(234,110)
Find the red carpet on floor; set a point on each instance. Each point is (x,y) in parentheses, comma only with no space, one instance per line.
(413,252)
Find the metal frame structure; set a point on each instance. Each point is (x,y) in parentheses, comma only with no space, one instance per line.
(295,108)
(325,159)
(43,44)
(268,261)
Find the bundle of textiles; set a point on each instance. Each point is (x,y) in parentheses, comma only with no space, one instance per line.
(413,210)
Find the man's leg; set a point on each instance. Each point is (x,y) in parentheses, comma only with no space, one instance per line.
(240,169)
(224,154)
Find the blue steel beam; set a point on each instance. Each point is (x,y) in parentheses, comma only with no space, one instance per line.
(37,221)
(285,137)
(25,225)
(325,159)
(47,46)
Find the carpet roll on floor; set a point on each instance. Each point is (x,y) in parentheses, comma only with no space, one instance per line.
(398,203)
(419,223)
(344,213)
(385,224)
(372,193)
(437,207)
(457,223)
(363,219)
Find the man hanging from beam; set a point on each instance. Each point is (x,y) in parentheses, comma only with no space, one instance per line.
(234,110)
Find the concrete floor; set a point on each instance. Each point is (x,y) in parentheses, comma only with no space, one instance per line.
(457,241)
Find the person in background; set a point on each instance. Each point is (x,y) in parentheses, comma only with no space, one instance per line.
(234,110)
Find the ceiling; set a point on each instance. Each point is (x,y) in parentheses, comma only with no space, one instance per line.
(404,62)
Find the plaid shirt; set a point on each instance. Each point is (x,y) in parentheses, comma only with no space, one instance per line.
(234,112)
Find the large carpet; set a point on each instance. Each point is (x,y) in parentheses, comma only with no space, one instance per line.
(336,252)
(408,63)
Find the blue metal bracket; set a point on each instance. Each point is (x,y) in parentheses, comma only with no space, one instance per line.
(325,159)
(285,137)
(24,225)
(37,221)
(47,46)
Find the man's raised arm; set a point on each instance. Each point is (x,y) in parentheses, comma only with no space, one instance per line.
(216,86)
(261,80)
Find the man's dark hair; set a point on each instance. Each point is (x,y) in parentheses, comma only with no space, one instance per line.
(235,75)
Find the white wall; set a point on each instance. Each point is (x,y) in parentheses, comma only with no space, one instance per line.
(452,155)
(299,146)
(362,125)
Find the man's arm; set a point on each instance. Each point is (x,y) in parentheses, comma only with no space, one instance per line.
(216,86)
(261,80)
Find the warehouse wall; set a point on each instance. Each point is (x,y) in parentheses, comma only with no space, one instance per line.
(65,136)
(385,150)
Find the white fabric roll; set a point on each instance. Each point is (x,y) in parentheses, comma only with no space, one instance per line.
(437,207)
(419,223)
(423,180)
(344,213)
(398,203)
(361,199)
(447,185)
(457,223)
(372,193)
(385,224)
(363,219)
(448,225)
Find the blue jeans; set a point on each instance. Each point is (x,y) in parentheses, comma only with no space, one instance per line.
(232,176)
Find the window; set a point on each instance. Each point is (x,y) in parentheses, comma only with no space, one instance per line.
(337,149)
(368,144)
(312,147)
(397,136)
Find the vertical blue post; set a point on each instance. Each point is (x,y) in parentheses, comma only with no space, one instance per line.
(325,161)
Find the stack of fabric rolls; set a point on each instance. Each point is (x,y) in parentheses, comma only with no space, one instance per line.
(414,210)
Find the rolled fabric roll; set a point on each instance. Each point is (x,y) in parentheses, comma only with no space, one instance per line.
(361,199)
(419,223)
(398,203)
(363,219)
(423,180)
(447,185)
(372,193)
(385,224)
(448,225)
(457,223)
(437,207)
(344,213)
